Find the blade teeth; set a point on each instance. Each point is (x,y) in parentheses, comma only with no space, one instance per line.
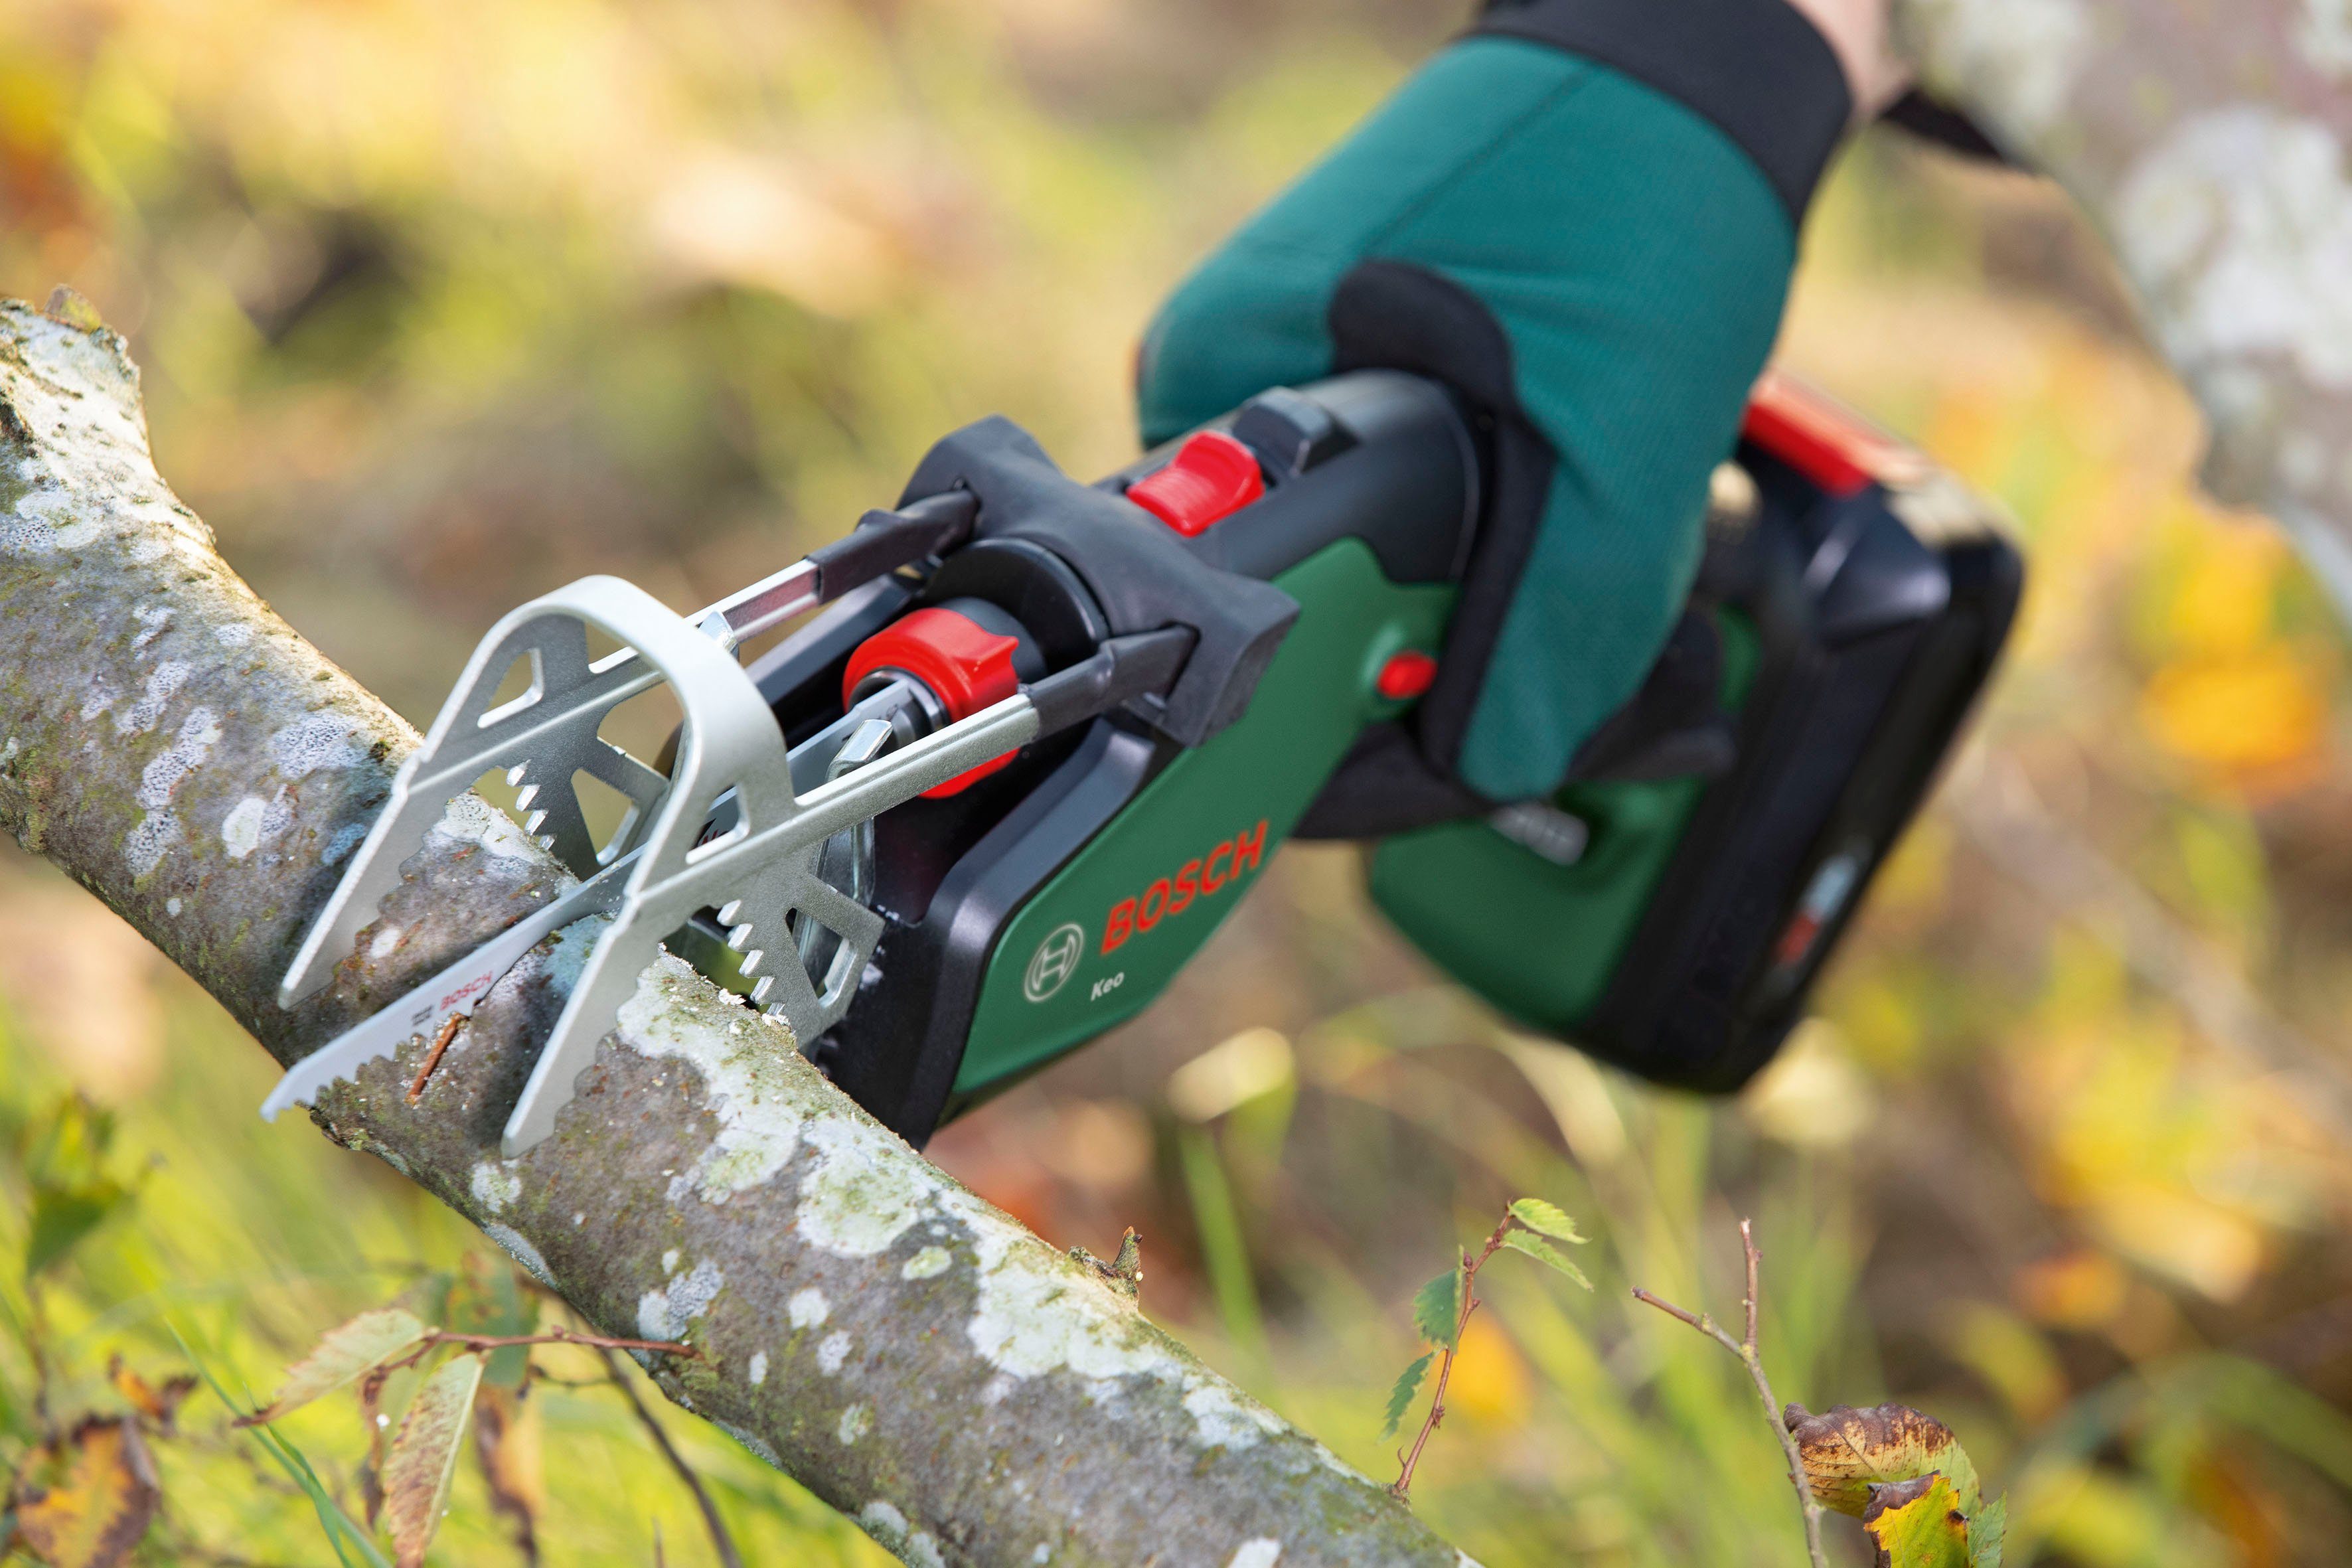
(515,774)
(729,911)
(759,992)
(525,796)
(531,823)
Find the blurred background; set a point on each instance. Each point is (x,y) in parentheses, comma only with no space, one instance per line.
(440,305)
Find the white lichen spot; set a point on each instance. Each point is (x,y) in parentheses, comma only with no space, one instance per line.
(922,1550)
(856,1422)
(1043,1553)
(669,1261)
(747,1084)
(163,684)
(859,1192)
(929,1262)
(241,828)
(752,1441)
(474,820)
(154,619)
(323,740)
(885,1523)
(808,1308)
(144,847)
(232,634)
(2239,229)
(387,941)
(758,1372)
(664,1314)
(2013,62)
(8,752)
(832,1352)
(171,906)
(1224,1419)
(1036,1313)
(1262,1551)
(163,775)
(495,1185)
(523,1252)
(100,697)
(2325,35)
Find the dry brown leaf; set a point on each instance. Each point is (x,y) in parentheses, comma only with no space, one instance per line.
(505,1443)
(425,1456)
(85,1499)
(1845,1451)
(343,1353)
(159,1407)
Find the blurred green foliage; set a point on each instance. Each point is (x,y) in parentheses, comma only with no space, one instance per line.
(441,305)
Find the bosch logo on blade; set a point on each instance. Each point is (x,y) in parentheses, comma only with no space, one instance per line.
(1193,880)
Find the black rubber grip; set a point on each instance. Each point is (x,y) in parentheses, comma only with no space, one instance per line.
(885,540)
(1145,664)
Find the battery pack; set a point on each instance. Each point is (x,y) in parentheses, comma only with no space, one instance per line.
(1673,923)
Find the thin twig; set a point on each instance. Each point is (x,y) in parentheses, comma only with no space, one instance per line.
(722,1542)
(433,1056)
(1469,1268)
(1744,1349)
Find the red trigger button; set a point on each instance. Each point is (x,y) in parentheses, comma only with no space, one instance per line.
(1211,477)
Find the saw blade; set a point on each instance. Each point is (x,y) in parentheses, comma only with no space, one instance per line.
(453,993)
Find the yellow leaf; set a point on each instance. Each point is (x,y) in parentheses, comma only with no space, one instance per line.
(343,1353)
(1489,1381)
(84,1501)
(2250,712)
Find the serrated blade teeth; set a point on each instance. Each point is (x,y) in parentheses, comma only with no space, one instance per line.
(515,774)
(730,913)
(525,796)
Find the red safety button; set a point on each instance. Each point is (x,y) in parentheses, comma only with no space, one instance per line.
(1406,676)
(966,665)
(1211,477)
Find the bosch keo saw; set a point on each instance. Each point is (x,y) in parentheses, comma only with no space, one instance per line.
(1044,735)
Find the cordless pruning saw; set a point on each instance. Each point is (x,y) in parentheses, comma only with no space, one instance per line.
(1045,735)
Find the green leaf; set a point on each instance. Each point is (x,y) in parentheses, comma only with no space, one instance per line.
(1917,1525)
(1987,1528)
(63,1217)
(64,1158)
(425,1456)
(342,1355)
(1437,1306)
(1408,1383)
(1549,1219)
(1543,1251)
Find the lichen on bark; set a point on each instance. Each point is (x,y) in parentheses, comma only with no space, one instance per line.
(916,1357)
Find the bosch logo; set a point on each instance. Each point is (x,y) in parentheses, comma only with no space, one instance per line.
(1051,965)
(1193,880)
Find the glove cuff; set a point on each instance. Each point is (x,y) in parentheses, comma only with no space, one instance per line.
(1755,70)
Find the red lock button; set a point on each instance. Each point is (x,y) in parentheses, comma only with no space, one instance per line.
(966,665)
(1211,477)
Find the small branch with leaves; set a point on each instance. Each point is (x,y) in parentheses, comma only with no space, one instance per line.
(1903,1474)
(1441,1308)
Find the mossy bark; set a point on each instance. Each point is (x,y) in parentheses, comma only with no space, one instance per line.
(914,1356)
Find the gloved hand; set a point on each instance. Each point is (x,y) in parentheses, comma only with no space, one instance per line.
(1583,218)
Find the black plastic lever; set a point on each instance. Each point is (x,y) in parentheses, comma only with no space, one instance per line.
(1143,664)
(885,540)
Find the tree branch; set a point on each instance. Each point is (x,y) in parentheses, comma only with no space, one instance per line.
(909,1353)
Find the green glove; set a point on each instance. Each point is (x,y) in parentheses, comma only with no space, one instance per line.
(1595,256)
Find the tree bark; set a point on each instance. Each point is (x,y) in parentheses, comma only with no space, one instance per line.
(2207,140)
(912,1355)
